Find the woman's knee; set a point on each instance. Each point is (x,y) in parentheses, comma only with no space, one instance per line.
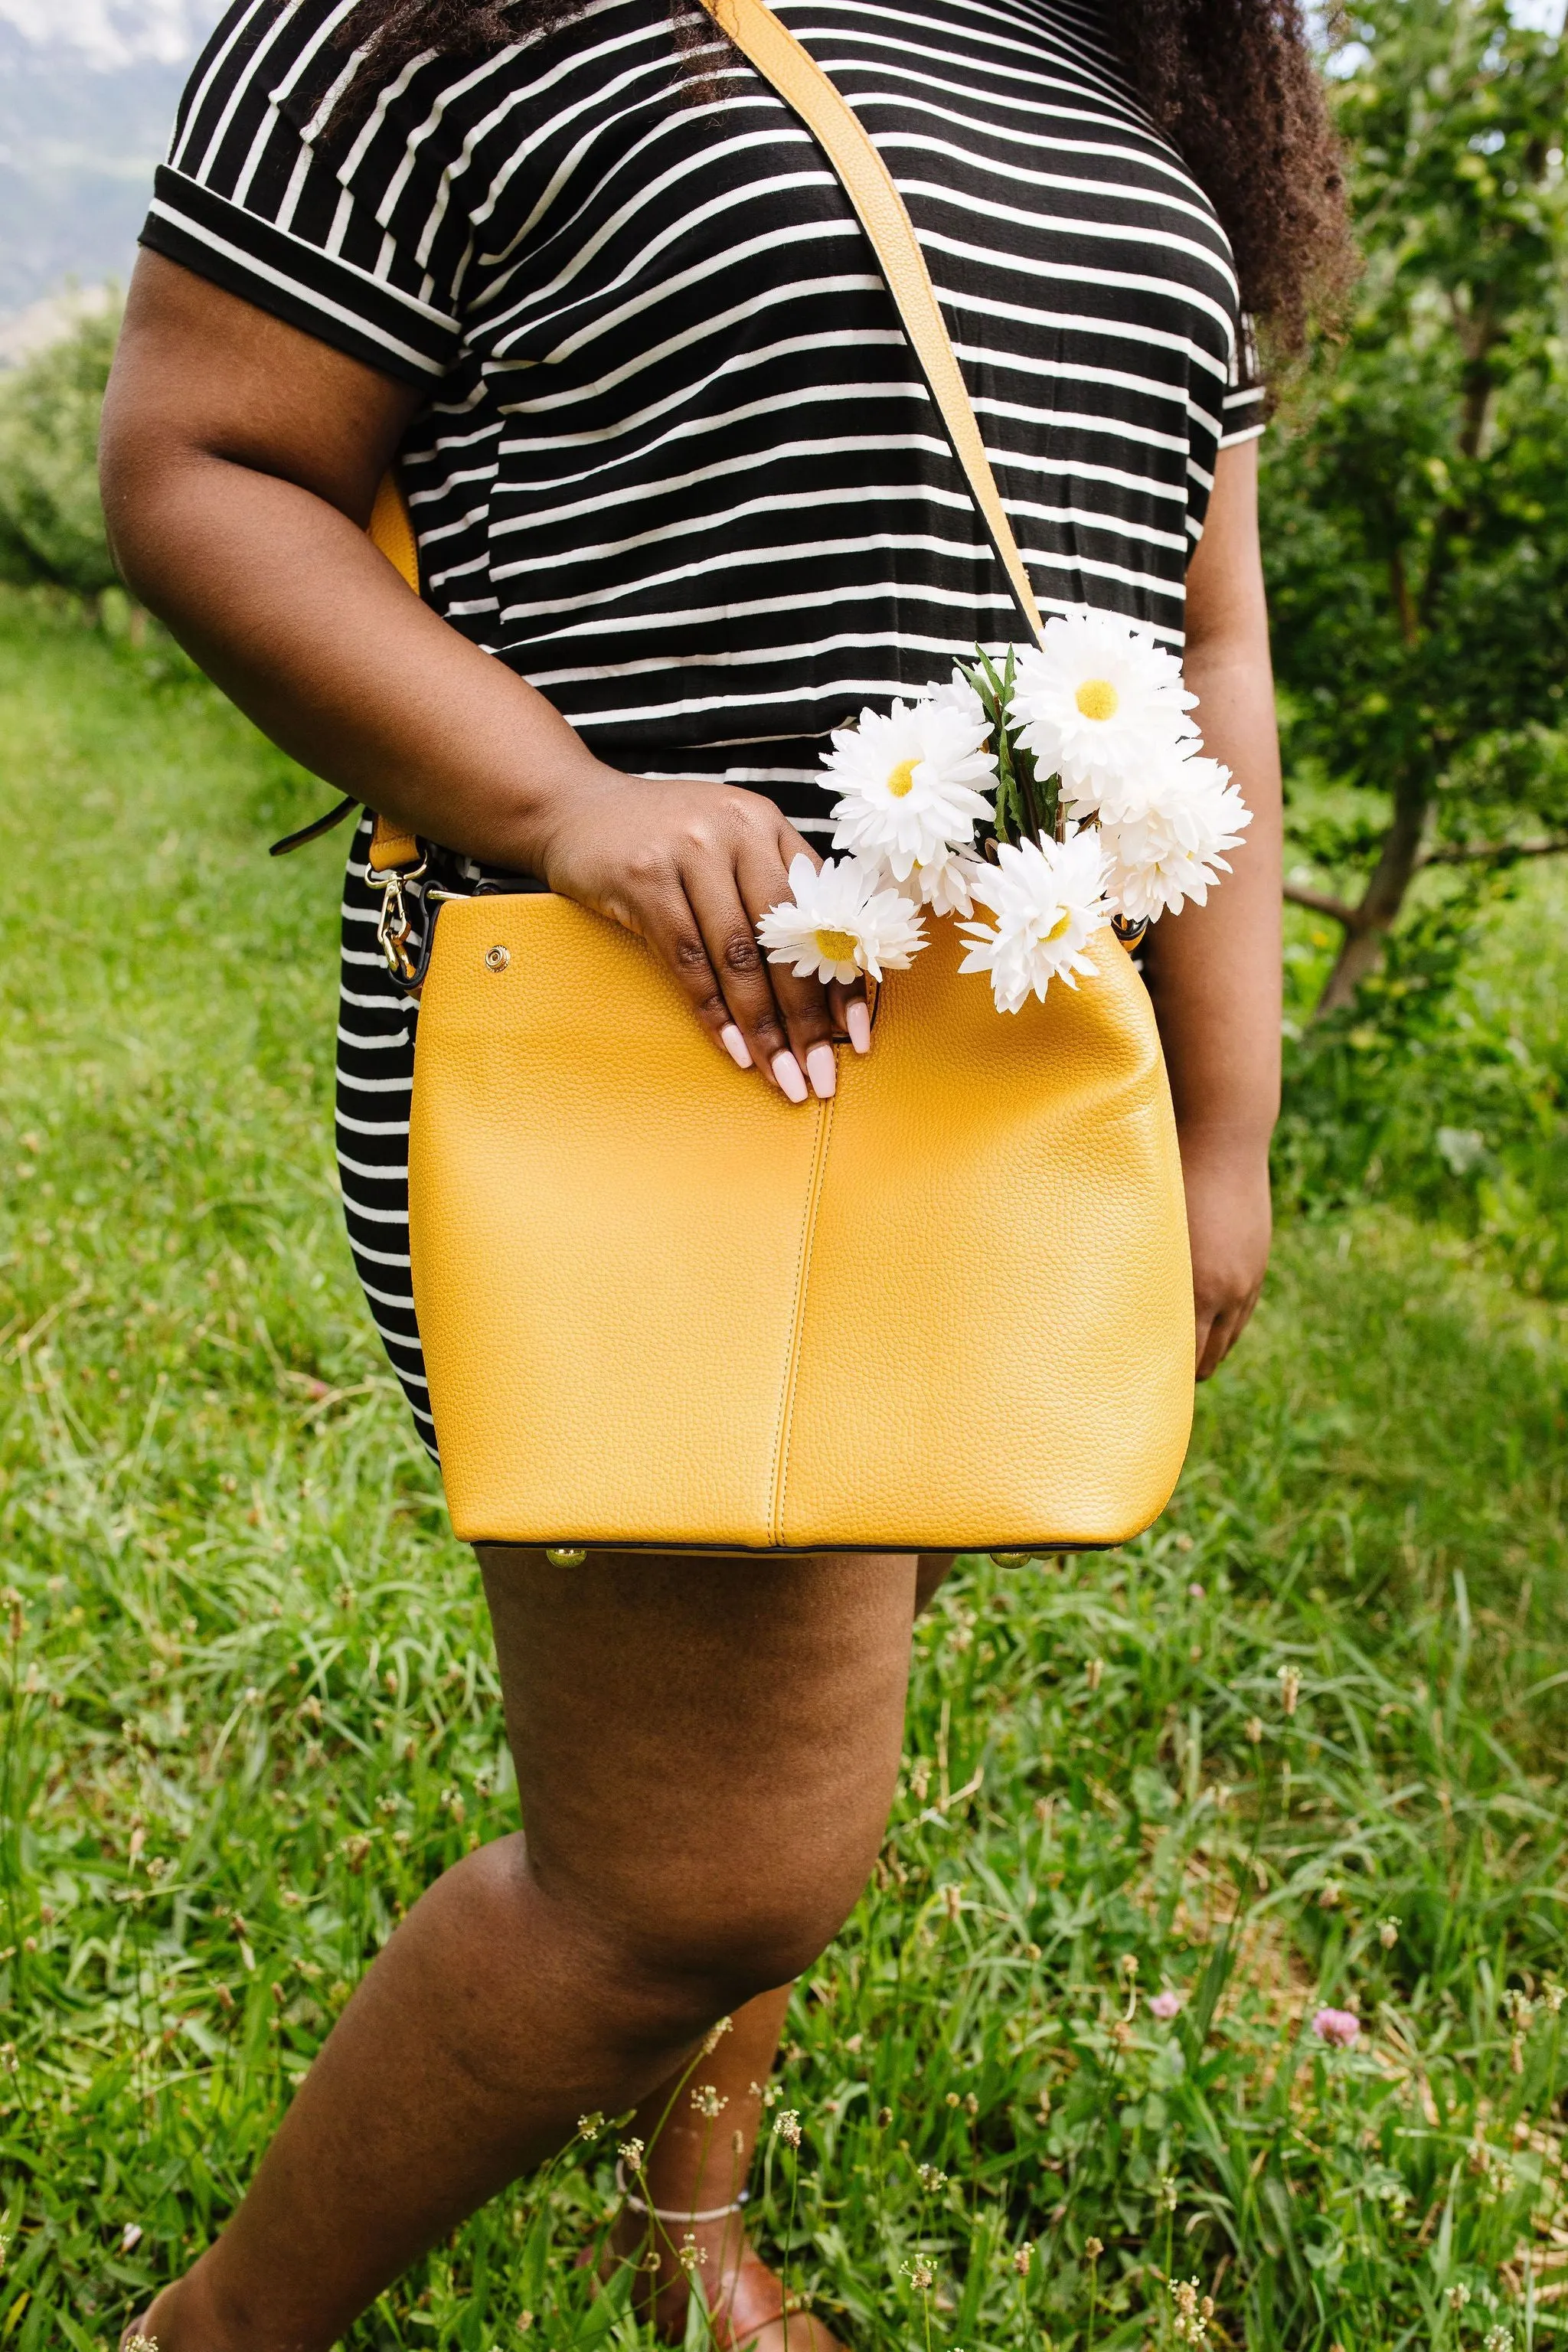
(714,1928)
(728,1952)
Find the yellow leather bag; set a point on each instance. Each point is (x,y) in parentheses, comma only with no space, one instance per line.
(949,1309)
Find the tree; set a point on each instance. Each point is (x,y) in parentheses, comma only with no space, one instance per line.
(1417,489)
(51,522)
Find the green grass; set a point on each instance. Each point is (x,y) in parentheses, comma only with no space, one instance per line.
(248,1710)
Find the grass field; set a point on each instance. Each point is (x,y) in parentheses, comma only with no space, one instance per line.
(1300,1746)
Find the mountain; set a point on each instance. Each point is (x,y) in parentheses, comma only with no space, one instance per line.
(87,91)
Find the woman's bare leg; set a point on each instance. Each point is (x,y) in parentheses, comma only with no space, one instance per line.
(700,2129)
(697,2161)
(705,1749)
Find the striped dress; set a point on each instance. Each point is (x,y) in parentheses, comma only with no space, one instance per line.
(676,466)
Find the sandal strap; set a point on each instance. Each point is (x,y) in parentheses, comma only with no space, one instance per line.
(662,2213)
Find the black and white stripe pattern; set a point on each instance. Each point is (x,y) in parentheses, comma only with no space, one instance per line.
(375,1090)
(678,467)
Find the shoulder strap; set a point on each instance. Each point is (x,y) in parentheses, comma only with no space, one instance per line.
(391,530)
(772,49)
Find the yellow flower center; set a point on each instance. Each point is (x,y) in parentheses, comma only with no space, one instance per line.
(838,947)
(1098,699)
(1063,923)
(902,779)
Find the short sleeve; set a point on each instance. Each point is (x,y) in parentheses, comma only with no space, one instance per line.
(1242,417)
(343,229)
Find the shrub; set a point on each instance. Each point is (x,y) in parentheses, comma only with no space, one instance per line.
(51,519)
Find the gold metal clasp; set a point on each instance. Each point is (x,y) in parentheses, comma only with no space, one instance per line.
(393,930)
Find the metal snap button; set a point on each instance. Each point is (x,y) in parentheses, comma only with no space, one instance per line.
(497,959)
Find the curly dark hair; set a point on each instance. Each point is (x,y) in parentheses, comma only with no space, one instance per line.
(1231,83)
(1233,87)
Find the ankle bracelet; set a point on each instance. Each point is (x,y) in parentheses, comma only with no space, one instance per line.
(661,2213)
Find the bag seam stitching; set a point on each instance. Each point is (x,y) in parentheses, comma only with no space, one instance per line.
(792,1363)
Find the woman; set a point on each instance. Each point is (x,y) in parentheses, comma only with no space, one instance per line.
(683,506)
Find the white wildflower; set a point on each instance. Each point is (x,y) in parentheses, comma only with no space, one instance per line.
(1190,2322)
(1049,898)
(1097,699)
(840,921)
(910,783)
(1166,829)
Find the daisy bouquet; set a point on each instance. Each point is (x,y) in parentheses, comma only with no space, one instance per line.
(1059,790)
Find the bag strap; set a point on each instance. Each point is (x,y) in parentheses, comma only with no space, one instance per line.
(772,49)
(391,530)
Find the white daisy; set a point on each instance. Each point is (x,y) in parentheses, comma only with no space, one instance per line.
(1049,898)
(1096,699)
(1165,833)
(911,782)
(841,920)
(945,883)
(960,696)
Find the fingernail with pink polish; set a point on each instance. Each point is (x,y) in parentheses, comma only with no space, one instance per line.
(857,1020)
(790,1076)
(735,1046)
(823,1071)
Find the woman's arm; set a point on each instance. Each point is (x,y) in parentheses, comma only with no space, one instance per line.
(1215,971)
(240,460)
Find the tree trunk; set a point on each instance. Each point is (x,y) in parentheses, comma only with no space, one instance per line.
(1362,950)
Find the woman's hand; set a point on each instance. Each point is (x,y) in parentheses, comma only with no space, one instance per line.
(1230,1223)
(690,866)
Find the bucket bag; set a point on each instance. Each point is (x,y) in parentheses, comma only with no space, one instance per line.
(949,1308)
